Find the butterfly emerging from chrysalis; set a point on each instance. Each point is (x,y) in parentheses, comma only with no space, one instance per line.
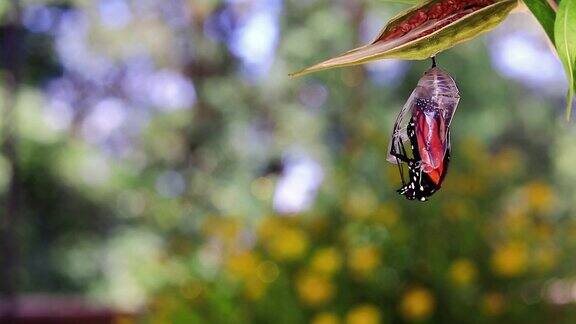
(421,136)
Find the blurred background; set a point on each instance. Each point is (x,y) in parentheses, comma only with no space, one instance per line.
(159,166)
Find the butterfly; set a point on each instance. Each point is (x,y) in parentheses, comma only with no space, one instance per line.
(421,135)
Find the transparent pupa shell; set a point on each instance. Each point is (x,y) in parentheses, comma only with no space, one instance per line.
(432,105)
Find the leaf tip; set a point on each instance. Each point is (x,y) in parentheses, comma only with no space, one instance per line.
(297,74)
(568,108)
(308,70)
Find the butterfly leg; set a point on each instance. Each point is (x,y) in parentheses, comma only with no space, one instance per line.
(400,157)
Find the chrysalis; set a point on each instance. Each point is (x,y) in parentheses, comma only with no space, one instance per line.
(421,135)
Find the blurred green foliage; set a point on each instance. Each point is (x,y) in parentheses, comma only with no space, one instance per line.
(495,245)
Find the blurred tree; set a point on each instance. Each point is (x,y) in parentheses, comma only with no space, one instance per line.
(167,164)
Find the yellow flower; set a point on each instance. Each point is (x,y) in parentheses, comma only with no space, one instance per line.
(510,259)
(242,265)
(267,271)
(462,272)
(363,314)
(326,261)
(288,244)
(314,289)
(325,318)
(269,227)
(540,196)
(226,229)
(417,304)
(493,304)
(363,260)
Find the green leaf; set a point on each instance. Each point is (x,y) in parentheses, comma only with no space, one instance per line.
(565,36)
(425,40)
(545,15)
